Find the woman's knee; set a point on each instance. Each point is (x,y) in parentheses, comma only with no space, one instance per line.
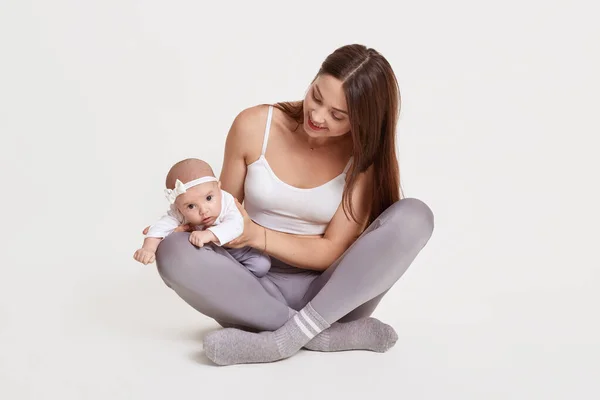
(410,214)
(173,255)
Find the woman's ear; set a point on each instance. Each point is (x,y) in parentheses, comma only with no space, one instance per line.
(219,184)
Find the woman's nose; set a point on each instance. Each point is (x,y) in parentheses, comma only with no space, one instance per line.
(318,116)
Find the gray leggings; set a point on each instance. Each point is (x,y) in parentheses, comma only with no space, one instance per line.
(210,280)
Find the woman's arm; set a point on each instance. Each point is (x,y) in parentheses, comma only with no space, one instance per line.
(243,140)
(316,253)
(319,253)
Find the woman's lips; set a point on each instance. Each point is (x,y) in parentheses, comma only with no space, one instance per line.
(314,127)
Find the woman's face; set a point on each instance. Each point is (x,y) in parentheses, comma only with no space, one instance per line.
(325,108)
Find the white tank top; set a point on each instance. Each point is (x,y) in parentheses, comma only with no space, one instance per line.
(276,205)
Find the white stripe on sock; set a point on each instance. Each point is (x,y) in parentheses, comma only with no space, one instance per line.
(310,321)
(303,327)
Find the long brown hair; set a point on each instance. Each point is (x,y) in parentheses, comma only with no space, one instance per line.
(373,99)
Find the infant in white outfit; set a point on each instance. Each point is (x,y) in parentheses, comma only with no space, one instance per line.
(197,199)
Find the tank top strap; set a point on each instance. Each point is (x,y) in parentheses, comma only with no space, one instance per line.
(348,165)
(267,129)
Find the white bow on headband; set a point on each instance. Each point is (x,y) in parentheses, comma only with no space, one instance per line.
(181,187)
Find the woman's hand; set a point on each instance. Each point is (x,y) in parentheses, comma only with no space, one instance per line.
(180,228)
(251,235)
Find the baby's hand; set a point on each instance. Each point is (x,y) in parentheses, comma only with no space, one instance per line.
(200,238)
(144,256)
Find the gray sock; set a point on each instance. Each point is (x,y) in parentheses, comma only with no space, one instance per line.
(362,334)
(233,346)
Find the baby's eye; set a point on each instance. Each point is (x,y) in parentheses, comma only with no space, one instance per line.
(191,206)
(209,198)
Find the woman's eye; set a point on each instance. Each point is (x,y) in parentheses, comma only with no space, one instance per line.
(315,99)
(335,117)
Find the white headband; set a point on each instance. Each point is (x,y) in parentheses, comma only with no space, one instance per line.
(181,188)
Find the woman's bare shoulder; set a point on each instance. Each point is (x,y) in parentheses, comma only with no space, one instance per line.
(247,131)
(253,116)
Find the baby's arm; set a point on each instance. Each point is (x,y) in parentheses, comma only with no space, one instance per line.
(147,254)
(220,234)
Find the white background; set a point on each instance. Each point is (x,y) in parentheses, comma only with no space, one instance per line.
(498,134)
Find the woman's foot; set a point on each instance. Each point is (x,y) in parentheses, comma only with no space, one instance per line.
(233,346)
(362,334)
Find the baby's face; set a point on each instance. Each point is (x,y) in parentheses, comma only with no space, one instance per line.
(201,204)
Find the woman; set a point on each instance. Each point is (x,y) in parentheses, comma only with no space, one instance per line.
(320,184)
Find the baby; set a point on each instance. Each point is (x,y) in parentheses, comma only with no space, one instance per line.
(197,199)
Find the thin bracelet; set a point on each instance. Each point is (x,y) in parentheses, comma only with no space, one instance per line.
(265,249)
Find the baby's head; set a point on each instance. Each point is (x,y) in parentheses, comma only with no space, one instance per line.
(200,201)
